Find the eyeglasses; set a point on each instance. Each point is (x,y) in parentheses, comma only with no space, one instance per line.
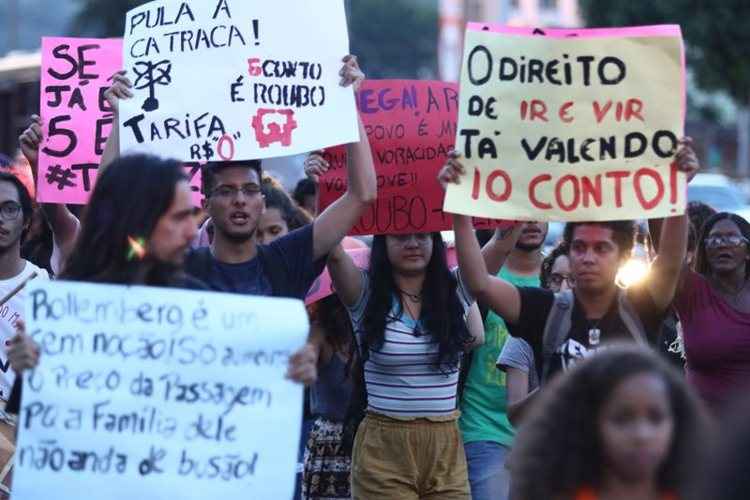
(557,279)
(231,192)
(420,238)
(725,241)
(10,210)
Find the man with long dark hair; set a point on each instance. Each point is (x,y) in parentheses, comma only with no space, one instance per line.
(136,230)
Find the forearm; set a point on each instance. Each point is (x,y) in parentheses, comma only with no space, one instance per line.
(362,182)
(673,241)
(669,263)
(63,223)
(496,251)
(470,261)
(518,410)
(112,147)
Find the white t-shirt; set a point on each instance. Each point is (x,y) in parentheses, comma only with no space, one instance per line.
(10,313)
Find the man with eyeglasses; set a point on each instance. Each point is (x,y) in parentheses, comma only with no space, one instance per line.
(16,210)
(288,266)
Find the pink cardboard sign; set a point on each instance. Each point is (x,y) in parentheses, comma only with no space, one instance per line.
(77,118)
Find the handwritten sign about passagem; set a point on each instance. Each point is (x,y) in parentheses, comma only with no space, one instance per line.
(77,118)
(570,124)
(220,80)
(411,126)
(170,393)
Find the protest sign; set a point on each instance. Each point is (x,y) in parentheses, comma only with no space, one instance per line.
(570,124)
(411,126)
(158,393)
(236,79)
(77,118)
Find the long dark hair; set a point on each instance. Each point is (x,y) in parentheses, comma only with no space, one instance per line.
(701,264)
(558,449)
(441,309)
(129,198)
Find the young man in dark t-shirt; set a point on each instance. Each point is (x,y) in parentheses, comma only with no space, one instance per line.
(611,243)
(288,266)
(597,250)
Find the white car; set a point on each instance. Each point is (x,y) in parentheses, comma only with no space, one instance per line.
(719,192)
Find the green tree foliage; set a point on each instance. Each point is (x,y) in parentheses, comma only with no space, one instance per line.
(394,39)
(717,35)
(103,18)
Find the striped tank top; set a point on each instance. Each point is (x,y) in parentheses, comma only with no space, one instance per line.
(401,377)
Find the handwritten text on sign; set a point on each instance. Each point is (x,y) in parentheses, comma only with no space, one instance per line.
(411,126)
(236,79)
(77,117)
(78,120)
(570,127)
(170,393)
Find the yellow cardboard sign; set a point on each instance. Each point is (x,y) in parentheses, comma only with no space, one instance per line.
(575,125)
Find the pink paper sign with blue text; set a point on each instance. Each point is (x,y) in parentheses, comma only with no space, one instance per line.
(77,118)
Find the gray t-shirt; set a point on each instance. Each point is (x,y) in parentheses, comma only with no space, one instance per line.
(517,353)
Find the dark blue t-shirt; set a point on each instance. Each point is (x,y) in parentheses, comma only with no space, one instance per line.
(293,268)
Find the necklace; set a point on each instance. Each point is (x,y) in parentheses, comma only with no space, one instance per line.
(414,297)
(417,330)
(595,334)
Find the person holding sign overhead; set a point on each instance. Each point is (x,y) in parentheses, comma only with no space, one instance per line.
(234,201)
(288,266)
(409,313)
(564,328)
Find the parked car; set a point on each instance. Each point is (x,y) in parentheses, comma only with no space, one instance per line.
(720,192)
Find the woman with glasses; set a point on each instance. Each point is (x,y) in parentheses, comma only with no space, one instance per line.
(409,315)
(714,308)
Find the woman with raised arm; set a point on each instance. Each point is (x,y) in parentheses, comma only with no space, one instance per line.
(409,313)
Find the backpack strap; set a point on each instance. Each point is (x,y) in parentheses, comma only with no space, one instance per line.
(630,318)
(556,328)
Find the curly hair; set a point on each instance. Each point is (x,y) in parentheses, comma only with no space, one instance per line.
(548,263)
(558,450)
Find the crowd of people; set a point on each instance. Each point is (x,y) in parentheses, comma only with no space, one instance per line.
(520,374)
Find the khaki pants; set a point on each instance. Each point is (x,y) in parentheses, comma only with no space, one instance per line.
(408,460)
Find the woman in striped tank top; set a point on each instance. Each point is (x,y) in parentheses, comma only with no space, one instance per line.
(409,314)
